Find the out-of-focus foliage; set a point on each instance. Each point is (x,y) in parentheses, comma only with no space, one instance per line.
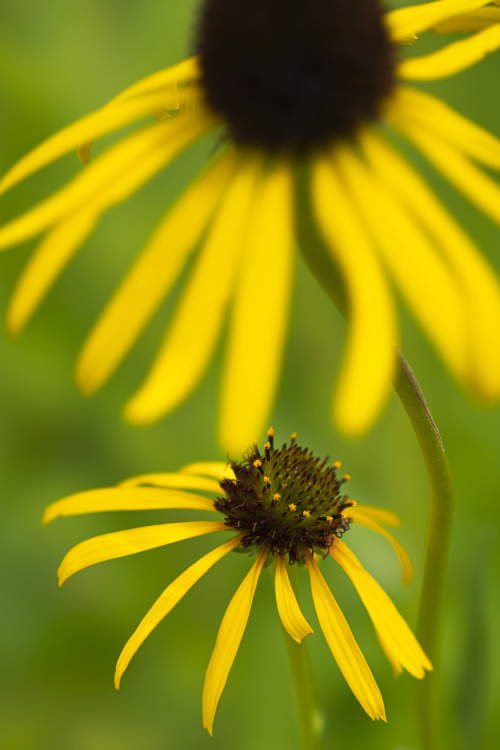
(58,61)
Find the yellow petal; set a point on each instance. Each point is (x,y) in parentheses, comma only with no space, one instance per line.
(177,480)
(112,177)
(185,71)
(116,498)
(262,294)
(228,640)
(289,611)
(476,20)
(396,666)
(455,129)
(167,601)
(217,469)
(45,265)
(369,359)
(130,541)
(195,329)
(376,514)
(343,646)
(396,635)
(453,58)
(403,22)
(425,280)
(478,281)
(96,124)
(364,519)
(151,277)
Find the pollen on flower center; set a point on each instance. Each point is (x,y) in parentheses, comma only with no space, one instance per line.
(294,74)
(285,498)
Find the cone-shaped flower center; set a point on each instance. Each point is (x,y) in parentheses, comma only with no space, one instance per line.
(285,498)
(294,74)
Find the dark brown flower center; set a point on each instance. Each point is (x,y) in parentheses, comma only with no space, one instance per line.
(285,498)
(294,74)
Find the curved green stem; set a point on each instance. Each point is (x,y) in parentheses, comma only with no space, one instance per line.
(300,666)
(442,493)
(438,540)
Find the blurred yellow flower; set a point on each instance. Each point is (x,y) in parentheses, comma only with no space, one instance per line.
(315,83)
(281,504)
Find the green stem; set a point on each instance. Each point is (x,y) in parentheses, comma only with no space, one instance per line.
(439,529)
(440,478)
(300,666)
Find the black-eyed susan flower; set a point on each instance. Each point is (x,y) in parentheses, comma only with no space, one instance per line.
(282,506)
(320,80)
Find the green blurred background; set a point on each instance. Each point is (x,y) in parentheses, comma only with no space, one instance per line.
(58,648)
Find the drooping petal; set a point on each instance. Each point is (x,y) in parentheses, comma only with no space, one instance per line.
(377,514)
(96,124)
(151,277)
(217,469)
(453,58)
(167,601)
(456,167)
(359,516)
(397,636)
(476,20)
(112,177)
(289,611)
(448,124)
(396,666)
(369,359)
(228,640)
(478,281)
(111,183)
(130,498)
(404,22)
(412,260)
(343,646)
(195,329)
(130,541)
(262,293)
(174,480)
(45,265)
(183,72)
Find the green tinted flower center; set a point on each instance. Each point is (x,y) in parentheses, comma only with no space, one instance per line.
(285,498)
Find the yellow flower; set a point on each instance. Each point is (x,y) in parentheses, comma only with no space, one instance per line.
(262,520)
(285,85)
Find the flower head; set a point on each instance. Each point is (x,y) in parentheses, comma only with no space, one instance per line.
(322,82)
(281,506)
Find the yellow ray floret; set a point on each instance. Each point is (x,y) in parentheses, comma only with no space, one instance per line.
(397,637)
(364,516)
(344,648)
(151,277)
(173,481)
(479,284)
(419,267)
(195,329)
(289,611)
(404,22)
(476,20)
(228,640)
(452,59)
(129,542)
(262,292)
(130,498)
(167,601)
(369,358)
(98,123)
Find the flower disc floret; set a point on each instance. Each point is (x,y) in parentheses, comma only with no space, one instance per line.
(286,499)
